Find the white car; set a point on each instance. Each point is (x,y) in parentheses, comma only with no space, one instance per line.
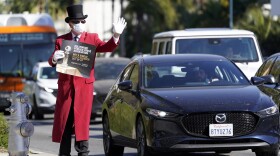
(42,89)
(240,46)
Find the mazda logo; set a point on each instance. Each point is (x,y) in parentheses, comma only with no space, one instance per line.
(221,118)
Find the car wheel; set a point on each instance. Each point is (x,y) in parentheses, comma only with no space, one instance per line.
(142,149)
(37,114)
(109,148)
(268,152)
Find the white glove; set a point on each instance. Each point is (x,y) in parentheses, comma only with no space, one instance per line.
(119,26)
(59,54)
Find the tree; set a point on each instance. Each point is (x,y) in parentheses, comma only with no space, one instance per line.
(34,6)
(144,18)
(264,27)
(16,6)
(255,21)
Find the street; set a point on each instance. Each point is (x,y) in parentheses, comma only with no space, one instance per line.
(41,140)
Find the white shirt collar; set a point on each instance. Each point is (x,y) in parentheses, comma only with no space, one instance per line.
(73,35)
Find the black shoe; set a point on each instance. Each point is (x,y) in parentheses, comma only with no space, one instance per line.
(83,153)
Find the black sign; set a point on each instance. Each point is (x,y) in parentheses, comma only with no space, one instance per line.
(79,58)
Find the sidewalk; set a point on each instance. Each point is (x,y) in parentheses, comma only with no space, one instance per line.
(32,153)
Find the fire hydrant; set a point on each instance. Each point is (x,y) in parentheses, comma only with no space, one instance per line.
(20,129)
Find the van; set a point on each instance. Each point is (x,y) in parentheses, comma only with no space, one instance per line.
(240,46)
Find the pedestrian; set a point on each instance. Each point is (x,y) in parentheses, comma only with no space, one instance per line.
(75,94)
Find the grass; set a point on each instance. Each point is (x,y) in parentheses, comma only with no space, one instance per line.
(4,132)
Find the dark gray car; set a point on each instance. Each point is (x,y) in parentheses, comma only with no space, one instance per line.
(106,70)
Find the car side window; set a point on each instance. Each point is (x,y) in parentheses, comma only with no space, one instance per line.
(161,48)
(168,48)
(154,48)
(275,70)
(134,77)
(126,73)
(266,67)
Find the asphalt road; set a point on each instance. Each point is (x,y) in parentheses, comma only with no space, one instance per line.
(41,141)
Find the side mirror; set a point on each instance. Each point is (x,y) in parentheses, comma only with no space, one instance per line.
(125,85)
(257,80)
(269,79)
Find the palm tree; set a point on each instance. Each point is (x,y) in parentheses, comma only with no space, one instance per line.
(255,21)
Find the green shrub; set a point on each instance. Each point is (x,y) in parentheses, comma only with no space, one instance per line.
(4,132)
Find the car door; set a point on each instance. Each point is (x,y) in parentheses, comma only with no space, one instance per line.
(130,102)
(271,67)
(116,103)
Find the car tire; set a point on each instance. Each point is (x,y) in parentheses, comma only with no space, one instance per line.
(36,113)
(142,149)
(268,152)
(109,148)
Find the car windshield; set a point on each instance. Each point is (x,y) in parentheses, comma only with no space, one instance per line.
(108,70)
(237,49)
(19,60)
(48,73)
(192,74)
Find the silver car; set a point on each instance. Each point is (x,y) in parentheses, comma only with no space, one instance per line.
(41,88)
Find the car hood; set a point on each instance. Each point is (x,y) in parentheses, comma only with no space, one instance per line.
(103,86)
(198,99)
(49,83)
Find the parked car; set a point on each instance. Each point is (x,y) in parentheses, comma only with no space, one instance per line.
(106,70)
(270,71)
(41,88)
(188,102)
(241,46)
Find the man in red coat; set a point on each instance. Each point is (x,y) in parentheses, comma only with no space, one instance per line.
(75,94)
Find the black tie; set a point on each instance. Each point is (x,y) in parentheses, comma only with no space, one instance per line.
(76,38)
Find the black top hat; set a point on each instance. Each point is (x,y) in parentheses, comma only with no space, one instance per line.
(75,12)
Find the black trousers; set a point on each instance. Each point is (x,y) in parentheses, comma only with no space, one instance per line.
(65,145)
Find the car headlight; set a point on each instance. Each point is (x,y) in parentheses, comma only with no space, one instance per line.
(269,111)
(160,113)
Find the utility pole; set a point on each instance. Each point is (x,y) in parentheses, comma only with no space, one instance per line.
(231,14)
(113,10)
(46,6)
(122,39)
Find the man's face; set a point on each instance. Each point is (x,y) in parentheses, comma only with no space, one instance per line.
(77,26)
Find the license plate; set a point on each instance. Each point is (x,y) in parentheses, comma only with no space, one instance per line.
(220,130)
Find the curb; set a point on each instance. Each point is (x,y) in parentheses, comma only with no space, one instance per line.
(32,153)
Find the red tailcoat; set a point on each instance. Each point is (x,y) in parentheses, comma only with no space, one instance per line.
(78,89)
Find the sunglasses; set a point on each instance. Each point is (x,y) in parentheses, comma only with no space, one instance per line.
(77,21)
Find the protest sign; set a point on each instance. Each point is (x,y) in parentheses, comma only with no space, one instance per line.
(78,60)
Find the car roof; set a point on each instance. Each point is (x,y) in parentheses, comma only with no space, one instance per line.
(182,57)
(203,32)
(273,55)
(112,59)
